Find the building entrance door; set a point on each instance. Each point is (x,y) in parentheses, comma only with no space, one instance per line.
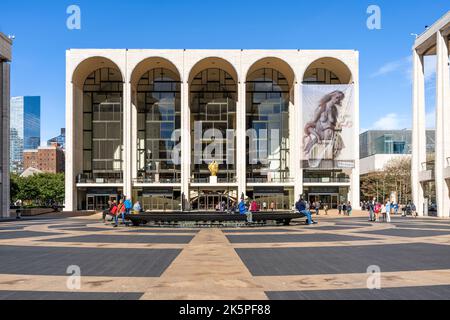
(325,199)
(99,202)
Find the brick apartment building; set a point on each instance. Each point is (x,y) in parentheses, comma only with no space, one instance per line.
(49,159)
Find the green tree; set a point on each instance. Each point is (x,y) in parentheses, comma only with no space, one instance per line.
(40,189)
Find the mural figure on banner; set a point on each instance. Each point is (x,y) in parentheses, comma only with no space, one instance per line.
(323,134)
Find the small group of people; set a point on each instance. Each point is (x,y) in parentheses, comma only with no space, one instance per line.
(121,209)
(382,211)
(345,208)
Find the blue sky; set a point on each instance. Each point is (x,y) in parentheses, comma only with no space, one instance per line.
(42,38)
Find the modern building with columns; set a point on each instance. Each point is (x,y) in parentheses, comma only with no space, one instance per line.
(148,123)
(434,41)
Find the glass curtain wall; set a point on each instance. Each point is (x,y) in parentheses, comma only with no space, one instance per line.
(268,118)
(213,107)
(103,127)
(158,117)
(321,76)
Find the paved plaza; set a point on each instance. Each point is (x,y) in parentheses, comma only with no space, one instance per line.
(325,261)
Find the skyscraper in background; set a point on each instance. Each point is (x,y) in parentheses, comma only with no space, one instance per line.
(60,140)
(25,128)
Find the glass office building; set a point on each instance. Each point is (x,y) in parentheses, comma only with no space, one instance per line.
(374,142)
(25,128)
(60,139)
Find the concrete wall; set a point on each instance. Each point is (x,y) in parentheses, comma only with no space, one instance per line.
(377,162)
(5,57)
(434,41)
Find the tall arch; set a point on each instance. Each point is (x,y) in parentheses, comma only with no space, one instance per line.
(328,70)
(269,103)
(213,97)
(98,131)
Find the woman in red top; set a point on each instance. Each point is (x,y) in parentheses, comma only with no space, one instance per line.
(120,212)
(254,206)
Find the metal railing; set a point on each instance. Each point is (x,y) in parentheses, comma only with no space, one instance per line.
(103,178)
(143,180)
(219,180)
(270,180)
(326,180)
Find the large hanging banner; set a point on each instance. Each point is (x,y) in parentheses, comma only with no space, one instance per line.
(328,132)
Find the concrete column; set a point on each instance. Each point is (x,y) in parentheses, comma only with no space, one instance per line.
(133,148)
(355,178)
(4,138)
(127,128)
(296,140)
(70,191)
(185,142)
(442,121)
(241,125)
(418,134)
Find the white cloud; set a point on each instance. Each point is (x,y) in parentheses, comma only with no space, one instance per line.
(403,65)
(391,121)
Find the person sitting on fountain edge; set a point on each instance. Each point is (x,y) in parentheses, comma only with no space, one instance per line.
(301,207)
(243,210)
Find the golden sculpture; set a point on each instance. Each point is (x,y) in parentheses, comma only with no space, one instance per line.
(213,168)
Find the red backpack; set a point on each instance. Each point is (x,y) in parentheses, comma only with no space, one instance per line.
(113,210)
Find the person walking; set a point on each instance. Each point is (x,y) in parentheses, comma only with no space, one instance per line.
(413,210)
(243,211)
(325,207)
(128,206)
(349,209)
(344,208)
(317,208)
(300,206)
(340,208)
(120,212)
(388,211)
(396,207)
(383,212)
(377,211)
(371,206)
(112,211)
(272,206)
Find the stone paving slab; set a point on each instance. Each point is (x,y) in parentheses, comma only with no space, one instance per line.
(423,226)
(350,259)
(260,230)
(24,234)
(336,228)
(92,261)
(292,238)
(408,233)
(6,228)
(68,225)
(404,293)
(51,295)
(120,238)
(165,230)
